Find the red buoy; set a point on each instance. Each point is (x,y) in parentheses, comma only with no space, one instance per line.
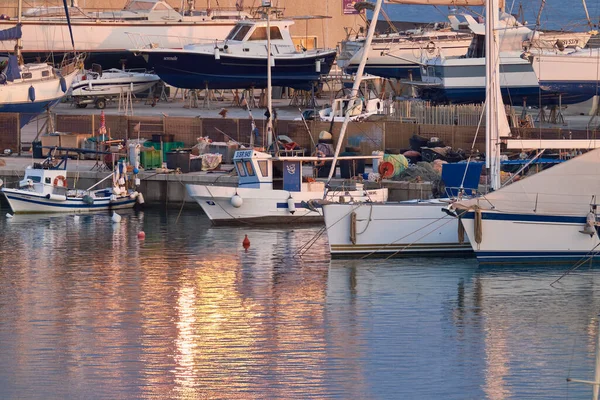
(141,235)
(246,242)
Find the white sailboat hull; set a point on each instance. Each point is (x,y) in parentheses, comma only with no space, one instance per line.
(28,202)
(263,206)
(404,229)
(533,238)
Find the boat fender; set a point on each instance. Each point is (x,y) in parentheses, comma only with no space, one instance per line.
(291,205)
(56,197)
(63,84)
(113,197)
(236,200)
(318,66)
(60,181)
(478,222)
(590,224)
(140,198)
(217,54)
(31,93)
(353,227)
(87,199)
(133,195)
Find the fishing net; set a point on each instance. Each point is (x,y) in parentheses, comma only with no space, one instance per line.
(424,172)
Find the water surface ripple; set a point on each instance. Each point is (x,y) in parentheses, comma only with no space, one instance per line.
(90,311)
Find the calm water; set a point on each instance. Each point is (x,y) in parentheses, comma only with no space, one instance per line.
(89,311)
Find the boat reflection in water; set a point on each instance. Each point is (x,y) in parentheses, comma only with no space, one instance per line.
(187,313)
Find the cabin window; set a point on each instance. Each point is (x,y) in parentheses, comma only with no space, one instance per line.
(26,75)
(241,34)
(48,180)
(260,33)
(45,74)
(249,168)
(264,167)
(240,168)
(35,179)
(161,7)
(232,32)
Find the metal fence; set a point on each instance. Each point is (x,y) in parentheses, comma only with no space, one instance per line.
(422,112)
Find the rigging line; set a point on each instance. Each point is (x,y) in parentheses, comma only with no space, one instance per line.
(408,234)
(422,237)
(578,264)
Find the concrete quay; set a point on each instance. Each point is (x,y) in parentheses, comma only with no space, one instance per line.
(168,189)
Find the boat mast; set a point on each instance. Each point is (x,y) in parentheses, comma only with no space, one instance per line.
(495,115)
(587,15)
(267,5)
(19,44)
(355,87)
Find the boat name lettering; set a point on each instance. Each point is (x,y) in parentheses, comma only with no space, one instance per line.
(243,154)
(172,58)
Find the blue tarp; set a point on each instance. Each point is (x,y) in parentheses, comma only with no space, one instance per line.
(12,70)
(452,175)
(13,33)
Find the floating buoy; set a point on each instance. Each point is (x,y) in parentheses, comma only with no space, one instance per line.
(141,235)
(246,242)
(31,93)
(9,215)
(63,84)
(236,200)
(291,205)
(116,218)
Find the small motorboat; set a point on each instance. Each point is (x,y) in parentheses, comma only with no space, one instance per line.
(96,86)
(44,189)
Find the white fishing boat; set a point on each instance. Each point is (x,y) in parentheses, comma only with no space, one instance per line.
(102,35)
(44,189)
(260,198)
(31,88)
(96,83)
(418,227)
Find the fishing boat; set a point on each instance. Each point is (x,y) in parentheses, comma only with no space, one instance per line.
(31,88)
(44,189)
(103,35)
(240,61)
(421,227)
(261,198)
(98,84)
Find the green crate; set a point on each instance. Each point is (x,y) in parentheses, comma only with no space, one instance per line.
(150,159)
(167,146)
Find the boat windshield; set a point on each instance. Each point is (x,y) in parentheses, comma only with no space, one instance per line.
(261,33)
(238,32)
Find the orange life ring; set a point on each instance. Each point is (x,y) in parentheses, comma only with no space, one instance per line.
(62,180)
(319,153)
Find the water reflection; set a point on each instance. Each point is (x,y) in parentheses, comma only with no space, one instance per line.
(88,310)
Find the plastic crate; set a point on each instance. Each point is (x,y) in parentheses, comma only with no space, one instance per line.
(150,159)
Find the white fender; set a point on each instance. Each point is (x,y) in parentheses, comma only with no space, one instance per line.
(291,205)
(236,200)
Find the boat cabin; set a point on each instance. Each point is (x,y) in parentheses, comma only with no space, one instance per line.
(255,32)
(45,180)
(260,170)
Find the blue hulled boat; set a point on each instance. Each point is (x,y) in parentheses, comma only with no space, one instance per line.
(240,61)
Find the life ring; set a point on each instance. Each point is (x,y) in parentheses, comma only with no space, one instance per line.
(430,47)
(319,153)
(62,180)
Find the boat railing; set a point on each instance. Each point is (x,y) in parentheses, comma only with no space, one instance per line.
(146,41)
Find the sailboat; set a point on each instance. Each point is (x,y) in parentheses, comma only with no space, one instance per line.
(261,199)
(420,227)
(31,88)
